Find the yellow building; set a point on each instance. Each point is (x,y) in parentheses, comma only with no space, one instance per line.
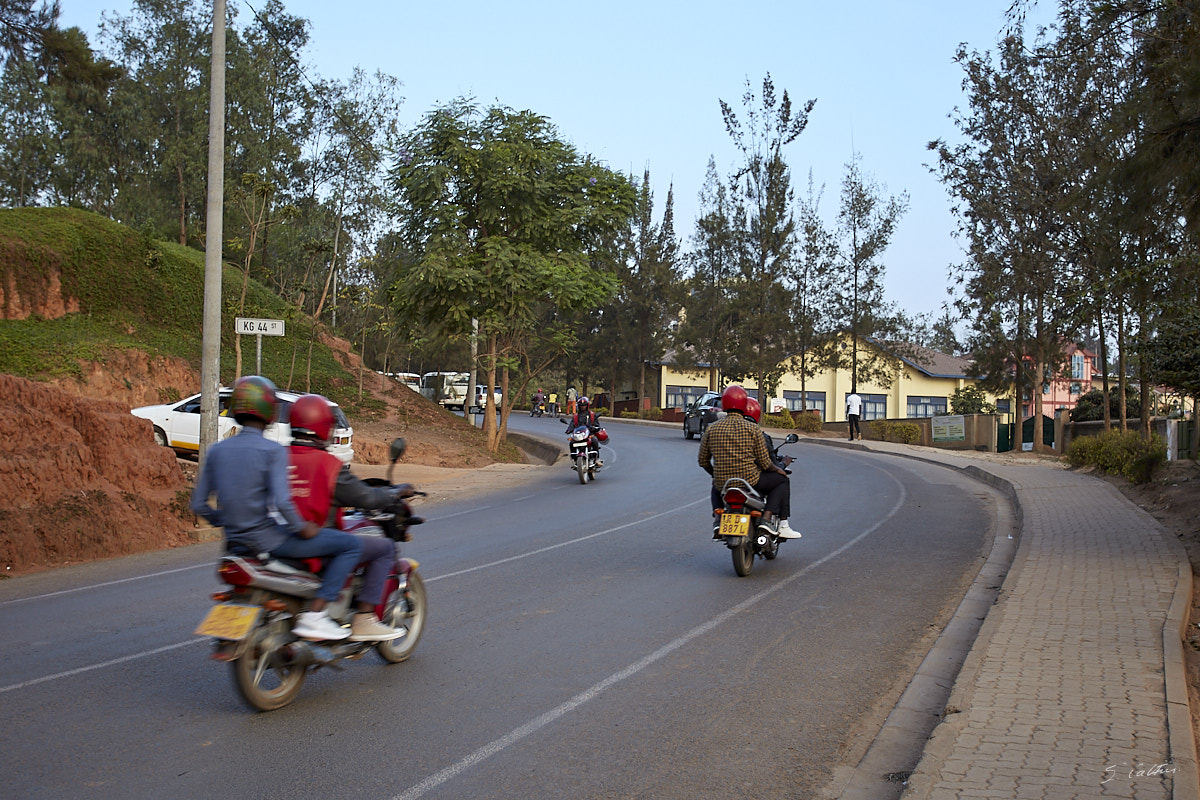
(922,383)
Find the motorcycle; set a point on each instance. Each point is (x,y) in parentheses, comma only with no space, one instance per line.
(538,408)
(738,529)
(583,447)
(252,621)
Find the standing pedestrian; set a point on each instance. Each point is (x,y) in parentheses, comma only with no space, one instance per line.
(571,399)
(854,412)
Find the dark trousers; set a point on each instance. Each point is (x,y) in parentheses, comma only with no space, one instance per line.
(775,487)
(854,431)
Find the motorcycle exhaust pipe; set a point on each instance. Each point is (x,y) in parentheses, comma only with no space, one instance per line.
(306,654)
(761,541)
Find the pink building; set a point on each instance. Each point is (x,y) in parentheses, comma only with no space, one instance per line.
(1065,391)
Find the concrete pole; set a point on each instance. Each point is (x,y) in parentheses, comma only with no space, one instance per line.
(210,353)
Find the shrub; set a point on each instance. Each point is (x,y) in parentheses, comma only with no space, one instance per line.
(808,422)
(625,414)
(1117,452)
(783,420)
(651,413)
(902,432)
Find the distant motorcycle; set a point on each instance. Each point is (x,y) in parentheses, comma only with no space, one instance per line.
(583,447)
(252,621)
(538,408)
(738,529)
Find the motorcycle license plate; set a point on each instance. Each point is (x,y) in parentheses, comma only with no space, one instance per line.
(229,621)
(735,524)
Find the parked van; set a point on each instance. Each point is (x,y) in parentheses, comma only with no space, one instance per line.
(446,388)
(410,379)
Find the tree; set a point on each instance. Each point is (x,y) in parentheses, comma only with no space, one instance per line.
(161,108)
(761,190)
(866,223)
(1023,291)
(813,276)
(23,28)
(507,222)
(704,338)
(970,400)
(1090,405)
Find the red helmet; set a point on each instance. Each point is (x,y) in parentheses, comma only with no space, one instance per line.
(602,436)
(734,398)
(254,396)
(753,409)
(312,416)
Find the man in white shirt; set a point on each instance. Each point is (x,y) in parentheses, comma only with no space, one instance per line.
(854,412)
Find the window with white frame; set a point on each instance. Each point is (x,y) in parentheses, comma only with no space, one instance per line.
(1077,366)
(926,406)
(875,407)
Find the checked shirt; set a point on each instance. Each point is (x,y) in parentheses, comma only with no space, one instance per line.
(736,449)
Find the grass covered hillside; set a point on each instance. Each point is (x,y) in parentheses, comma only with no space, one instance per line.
(78,290)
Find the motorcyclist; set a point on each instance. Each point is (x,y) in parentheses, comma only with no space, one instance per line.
(321,485)
(249,476)
(733,447)
(754,411)
(539,397)
(585,416)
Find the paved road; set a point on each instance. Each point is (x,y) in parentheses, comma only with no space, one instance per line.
(584,641)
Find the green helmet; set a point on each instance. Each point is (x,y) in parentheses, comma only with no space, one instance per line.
(254,396)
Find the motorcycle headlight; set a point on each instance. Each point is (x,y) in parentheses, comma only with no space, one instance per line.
(579,435)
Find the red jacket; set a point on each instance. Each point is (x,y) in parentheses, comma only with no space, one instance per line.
(312,474)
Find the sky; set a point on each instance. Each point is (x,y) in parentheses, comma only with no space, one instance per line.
(637,85)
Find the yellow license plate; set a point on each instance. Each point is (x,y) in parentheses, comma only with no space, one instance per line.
(229,621)
(735,524)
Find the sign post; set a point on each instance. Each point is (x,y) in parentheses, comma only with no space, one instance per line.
(260,328)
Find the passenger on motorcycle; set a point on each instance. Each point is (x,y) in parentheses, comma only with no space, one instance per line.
(733,447)
(249,476)
(754,411)
(585,416)
(321,486)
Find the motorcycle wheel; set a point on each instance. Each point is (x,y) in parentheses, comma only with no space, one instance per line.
(261,676)
(771,550)
(405,610)
(743,557)
(581,468)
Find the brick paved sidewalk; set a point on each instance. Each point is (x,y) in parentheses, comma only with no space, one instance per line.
(1074,687)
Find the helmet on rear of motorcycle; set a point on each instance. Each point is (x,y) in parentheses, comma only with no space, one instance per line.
(312,417)
(602,436)
(753,409)
(254,397)
(734,398)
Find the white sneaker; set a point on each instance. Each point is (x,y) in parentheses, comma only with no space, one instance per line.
(786,532)
(318,625)
(367,628)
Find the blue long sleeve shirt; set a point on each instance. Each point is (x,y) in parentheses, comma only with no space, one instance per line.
(249,476)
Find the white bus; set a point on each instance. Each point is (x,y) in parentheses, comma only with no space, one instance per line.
(447,388)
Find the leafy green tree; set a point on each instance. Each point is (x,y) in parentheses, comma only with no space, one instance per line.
(507,222)
(24,27)
(705,336)
(970,400)
(813,275)
(1024,294)
(1090,405)
(761,188)
(161,110)
(866,223)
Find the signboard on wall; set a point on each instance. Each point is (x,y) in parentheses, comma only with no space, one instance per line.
(950,429)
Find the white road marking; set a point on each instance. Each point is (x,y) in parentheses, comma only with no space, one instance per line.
(533,726)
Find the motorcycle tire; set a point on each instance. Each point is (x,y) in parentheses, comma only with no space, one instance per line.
(260,675)
(405,609)
(743,557)
(581,468)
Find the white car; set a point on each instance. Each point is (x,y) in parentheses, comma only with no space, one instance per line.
(177,425)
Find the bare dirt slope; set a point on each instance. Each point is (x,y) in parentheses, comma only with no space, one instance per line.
(81,478)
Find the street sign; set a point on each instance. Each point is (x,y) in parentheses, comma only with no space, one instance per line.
(262,327)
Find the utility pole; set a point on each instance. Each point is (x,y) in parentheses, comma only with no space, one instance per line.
(210,354)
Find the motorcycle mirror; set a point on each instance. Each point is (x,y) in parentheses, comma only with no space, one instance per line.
(397,449)
(791,437)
